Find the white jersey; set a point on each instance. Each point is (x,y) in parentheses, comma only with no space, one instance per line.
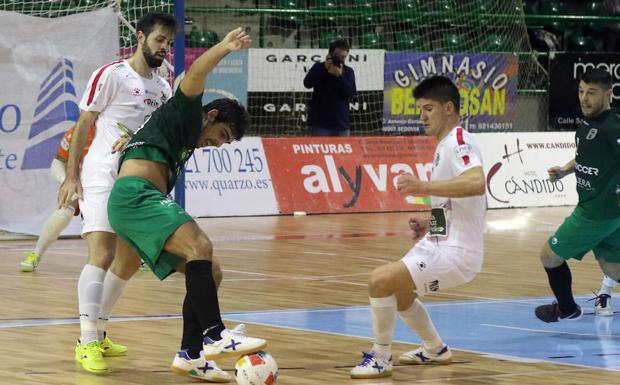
(124,100)
(457,224)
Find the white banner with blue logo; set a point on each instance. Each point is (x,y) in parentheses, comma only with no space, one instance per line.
(45,64)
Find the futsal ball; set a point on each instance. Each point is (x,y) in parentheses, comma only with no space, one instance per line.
(256,369)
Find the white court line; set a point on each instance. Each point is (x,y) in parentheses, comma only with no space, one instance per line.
(550,331)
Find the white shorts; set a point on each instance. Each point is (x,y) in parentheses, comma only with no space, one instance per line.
(434,269)
(94,206)
(58,170)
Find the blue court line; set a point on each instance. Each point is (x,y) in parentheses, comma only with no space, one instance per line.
(503,328)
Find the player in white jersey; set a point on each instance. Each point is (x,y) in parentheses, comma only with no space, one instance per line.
(118,99)
(451,249)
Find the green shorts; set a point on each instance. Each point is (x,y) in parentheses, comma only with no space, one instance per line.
(145,218)
(579,234)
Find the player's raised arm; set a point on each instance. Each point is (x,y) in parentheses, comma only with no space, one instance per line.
(193,83)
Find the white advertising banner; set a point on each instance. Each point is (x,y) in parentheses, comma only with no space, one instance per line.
(45,64)
(283,70)
(230,180)
(515,165)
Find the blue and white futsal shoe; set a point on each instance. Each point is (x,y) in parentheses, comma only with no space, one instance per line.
(233,342)
(421,356)
(373,365)
(199,368)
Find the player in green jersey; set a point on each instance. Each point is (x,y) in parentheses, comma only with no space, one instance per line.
(594,225)
(162,233)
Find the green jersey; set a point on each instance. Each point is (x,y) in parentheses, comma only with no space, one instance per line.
(169,136)
(597,168)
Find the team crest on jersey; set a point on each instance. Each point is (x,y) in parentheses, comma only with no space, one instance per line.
(136,92)
(591,134)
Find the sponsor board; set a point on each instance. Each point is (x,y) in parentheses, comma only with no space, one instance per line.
(353,174)
(487,85)
(565,70)
(283,70)
(47,65)
(286,112)
(233,179)
(516,165)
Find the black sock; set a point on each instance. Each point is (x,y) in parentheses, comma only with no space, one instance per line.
(202,295)
(192,333)
(561,281)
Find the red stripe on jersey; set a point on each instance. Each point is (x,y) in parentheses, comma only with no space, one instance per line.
(460,141)
(93,86)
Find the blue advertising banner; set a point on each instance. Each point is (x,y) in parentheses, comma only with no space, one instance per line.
(228,80)
(487,83)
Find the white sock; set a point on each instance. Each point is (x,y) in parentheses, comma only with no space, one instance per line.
(607,286)
(90,291)
(417,318)
(113,287)
(383,312)
(55,224)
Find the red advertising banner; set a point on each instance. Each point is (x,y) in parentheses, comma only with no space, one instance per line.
(352,174)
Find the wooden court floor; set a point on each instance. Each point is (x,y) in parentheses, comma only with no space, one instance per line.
(277,263)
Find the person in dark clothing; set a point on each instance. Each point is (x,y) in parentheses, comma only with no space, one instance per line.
(334,86)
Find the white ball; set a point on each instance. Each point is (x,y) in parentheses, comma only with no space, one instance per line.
(256,369)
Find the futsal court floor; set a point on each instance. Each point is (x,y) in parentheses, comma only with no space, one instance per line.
(300,283)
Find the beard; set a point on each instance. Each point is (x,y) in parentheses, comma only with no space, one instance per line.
(151,60)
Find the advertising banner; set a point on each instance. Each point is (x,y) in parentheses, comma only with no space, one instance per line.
(352,174)
(279,101)
(229,79)
(230,180)
(516,164)
(565,70)
(487,84)
(45,64)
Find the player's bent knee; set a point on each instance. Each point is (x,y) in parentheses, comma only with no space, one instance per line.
(200,248)
(548,258)
(380,283)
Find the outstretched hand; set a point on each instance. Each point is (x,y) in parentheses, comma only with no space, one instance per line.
(409,184)
(237,39)
(555,173)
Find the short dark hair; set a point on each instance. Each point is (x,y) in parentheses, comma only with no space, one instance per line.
(440,89)
(597,76)
(232,112)
(339,43)
(147,23)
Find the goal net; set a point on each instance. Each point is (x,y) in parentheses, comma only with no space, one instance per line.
(481,44)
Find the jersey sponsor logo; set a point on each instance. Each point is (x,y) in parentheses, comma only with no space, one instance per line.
(583,183)
(151,103)
(586,169)
(591,134)
(55,105)
(463,150)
